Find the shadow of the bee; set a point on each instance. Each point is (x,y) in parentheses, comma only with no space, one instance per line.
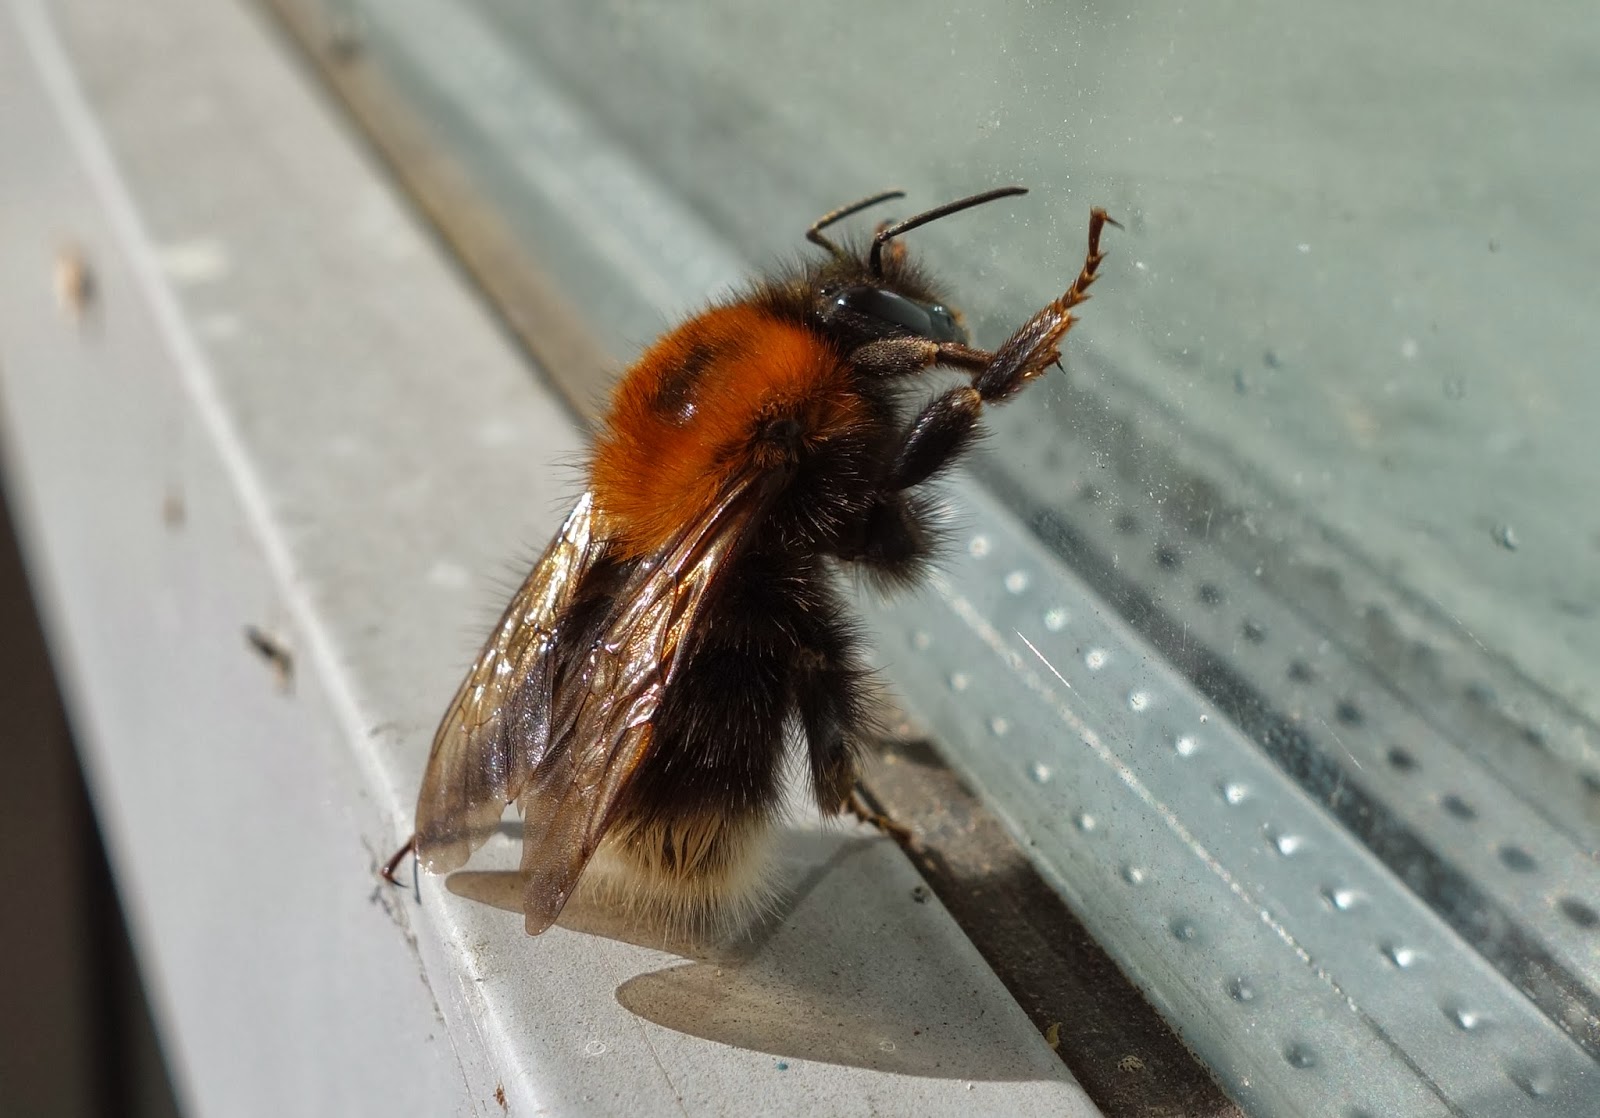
(814,981)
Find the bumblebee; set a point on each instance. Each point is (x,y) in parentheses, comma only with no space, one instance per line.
(639,699)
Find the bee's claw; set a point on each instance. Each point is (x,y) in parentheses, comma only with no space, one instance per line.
(864,811)
(393,864)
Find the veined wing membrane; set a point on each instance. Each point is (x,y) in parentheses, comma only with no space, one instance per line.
(497,728)
(602,723)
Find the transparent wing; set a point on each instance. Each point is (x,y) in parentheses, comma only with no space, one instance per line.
(497,728)
(602,722)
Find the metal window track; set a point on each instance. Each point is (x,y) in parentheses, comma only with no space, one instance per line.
(1292,959)
(1489,826)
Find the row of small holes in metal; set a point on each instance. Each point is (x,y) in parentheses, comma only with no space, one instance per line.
(1209,594)
(1533,1081)
(1349,713)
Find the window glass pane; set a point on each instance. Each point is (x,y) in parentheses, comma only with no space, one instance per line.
(1324,437)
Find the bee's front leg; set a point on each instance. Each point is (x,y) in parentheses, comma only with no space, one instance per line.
(1037,345)
(999,375)
(946,426)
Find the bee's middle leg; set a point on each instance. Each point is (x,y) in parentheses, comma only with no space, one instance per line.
(833,704)
(832,700)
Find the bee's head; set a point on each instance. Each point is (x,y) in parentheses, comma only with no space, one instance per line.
(861,296)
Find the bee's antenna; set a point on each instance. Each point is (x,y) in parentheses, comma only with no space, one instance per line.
(814,234)
(875,260)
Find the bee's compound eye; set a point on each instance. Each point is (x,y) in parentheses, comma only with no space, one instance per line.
(944,324)
(889,307)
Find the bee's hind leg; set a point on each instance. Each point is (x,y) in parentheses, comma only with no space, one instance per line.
(859,806)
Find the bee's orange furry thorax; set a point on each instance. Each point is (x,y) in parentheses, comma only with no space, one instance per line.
(692,409)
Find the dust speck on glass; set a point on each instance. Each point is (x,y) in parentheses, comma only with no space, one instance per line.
(1282,607)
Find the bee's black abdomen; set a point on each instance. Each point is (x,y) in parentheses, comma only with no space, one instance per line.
(719,736)
(690,842)
(776,647)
